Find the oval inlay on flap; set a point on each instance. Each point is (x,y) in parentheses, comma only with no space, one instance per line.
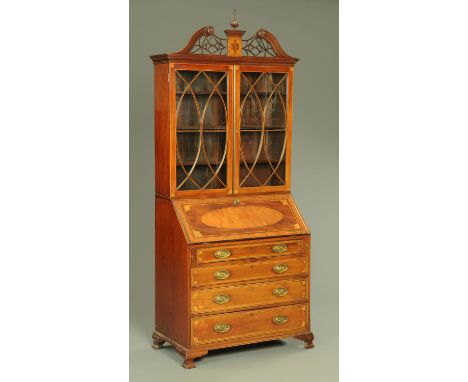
(242,217)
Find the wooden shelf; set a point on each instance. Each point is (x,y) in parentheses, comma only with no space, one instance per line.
(215,164)
(200,93)
(261,161)
(225,93)
(200,163)
(222,129)
(225,131)
(204,130)
(260,130)
(262,93)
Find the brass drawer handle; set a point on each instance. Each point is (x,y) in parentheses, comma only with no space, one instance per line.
(280,292)
(280,320)
(280,268)
(279,248)
(221,299)
(221,275)
(222,253)
(221,327)
(236,202)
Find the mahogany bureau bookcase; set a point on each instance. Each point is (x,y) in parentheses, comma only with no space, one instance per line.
(232,250)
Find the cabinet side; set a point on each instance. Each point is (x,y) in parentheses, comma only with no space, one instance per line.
(172,289)
(161,128)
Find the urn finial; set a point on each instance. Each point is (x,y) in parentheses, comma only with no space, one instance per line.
(234,20)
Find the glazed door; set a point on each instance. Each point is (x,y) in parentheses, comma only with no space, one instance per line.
(263,129)
(201,129)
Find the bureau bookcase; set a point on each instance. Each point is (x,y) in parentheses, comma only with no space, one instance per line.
(232,252)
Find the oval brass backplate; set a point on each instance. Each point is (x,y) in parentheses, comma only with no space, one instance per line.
(222,253)
(222,327)
(280,268)
(280,292)
(280,320)
(221,299)
(221,275)
(279,248)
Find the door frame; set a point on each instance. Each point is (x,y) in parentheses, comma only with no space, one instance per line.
(237,134)
(173,128)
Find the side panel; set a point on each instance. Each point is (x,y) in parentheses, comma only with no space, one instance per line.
(161,128)
(172,275)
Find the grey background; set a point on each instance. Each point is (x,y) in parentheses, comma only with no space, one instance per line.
(305,29)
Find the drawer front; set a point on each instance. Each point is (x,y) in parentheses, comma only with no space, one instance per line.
(255,323)
(229,272)
(249,250)
(249,295)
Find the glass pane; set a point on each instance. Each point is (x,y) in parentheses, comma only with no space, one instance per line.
(201,99)
(263,110)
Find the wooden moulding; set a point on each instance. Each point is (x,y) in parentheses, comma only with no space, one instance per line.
(230,49)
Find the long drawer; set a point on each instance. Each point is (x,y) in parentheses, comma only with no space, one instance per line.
(249,250)
(249,324)
(248,296)
(230,272)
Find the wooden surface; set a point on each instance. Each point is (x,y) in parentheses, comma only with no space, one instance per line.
(248,250)
(172,262)
(249,270)
(248,296)
(199,217)
(234,42)
(242,217)
(162,129)
(218,59)
(249,324)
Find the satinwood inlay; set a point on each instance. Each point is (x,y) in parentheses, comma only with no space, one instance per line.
(242,217)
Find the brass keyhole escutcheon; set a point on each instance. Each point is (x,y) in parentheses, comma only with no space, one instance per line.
(279,248)
(222,253)
(280,292)
(222,327)
(280,320)
(236,202)
(221,299)
(280,268)
(222,274)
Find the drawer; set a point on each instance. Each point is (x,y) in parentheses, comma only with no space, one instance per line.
(248,295)
(249,250)
(229,272)
(254,323)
